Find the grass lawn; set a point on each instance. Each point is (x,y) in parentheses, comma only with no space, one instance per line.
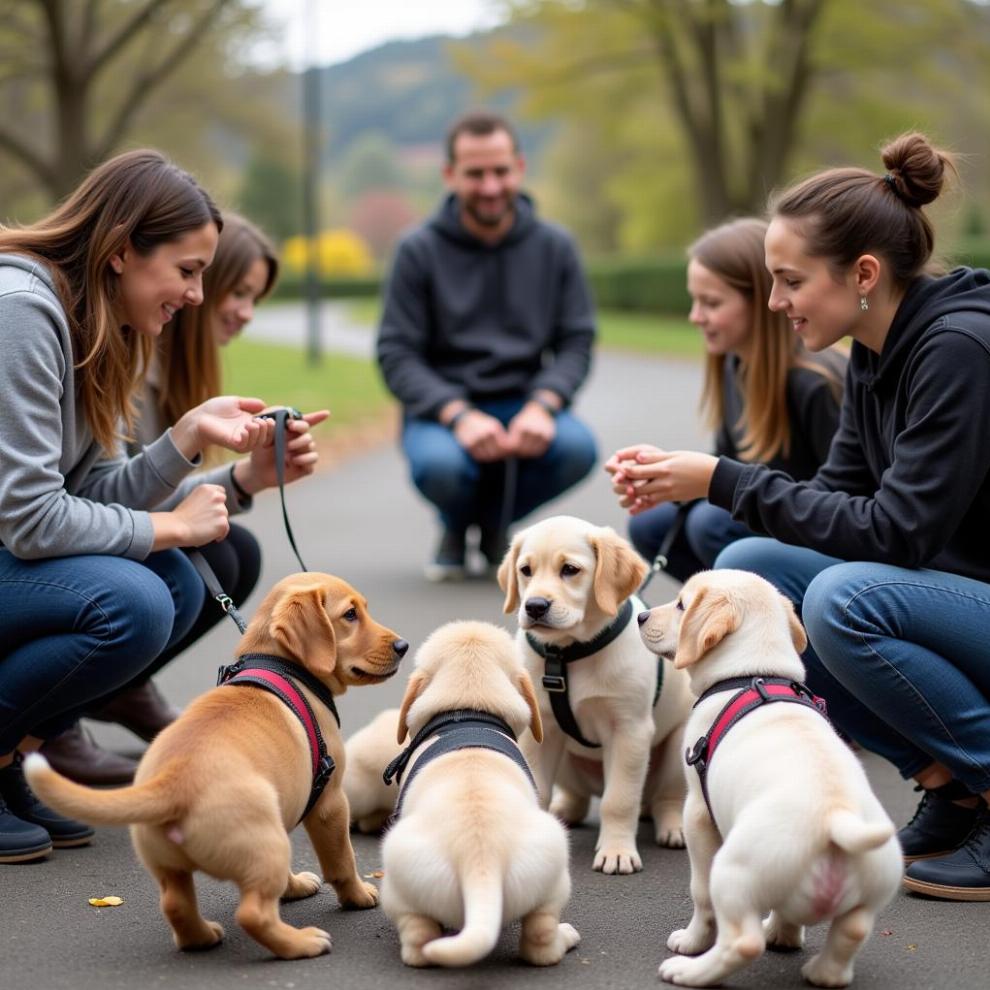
(638,332)
(349,387)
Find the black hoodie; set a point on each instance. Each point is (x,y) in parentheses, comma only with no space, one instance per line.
(906,480)
(467,320)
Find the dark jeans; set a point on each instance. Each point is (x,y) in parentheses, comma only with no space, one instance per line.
(466,492)
(73,629)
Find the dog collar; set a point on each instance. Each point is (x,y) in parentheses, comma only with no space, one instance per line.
(462,728)
(750,693)
(278,677)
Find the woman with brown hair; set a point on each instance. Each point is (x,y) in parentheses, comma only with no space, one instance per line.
(92,585)
(886,551)
(768,399)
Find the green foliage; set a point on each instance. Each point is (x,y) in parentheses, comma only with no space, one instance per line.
(271,195)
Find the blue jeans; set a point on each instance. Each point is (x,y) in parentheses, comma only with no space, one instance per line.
(73,629)
(707,530)
(901,656)
(465,491)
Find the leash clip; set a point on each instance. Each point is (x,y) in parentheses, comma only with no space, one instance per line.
(225,602)
(760,687)
(697,755)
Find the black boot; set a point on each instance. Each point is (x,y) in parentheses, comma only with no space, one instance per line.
(939,825)
(963,875)
(22,802)
(141,708)
(21,841)
(75,755)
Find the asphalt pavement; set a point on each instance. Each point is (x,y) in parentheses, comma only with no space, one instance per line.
(363,521)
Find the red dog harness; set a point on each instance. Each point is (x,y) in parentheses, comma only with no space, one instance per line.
(275,675)
(753,693)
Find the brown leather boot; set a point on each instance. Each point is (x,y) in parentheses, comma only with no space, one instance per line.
(142,709)
(76,755)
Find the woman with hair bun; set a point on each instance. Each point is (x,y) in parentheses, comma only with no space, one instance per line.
(886,550)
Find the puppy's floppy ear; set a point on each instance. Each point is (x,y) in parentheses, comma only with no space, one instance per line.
(508,578)
(708,620)
(619,570)
(525,686)
(798,635)
(414,689)
(300,625)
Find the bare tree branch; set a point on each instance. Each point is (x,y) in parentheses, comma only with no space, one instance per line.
(29,158)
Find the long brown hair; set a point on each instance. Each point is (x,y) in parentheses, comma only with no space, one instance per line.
(188,355)
(734,252)
(139,199)
(848,212)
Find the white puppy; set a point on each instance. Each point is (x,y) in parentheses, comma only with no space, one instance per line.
(471,849)
(796,830)
(369,752)
(569,582)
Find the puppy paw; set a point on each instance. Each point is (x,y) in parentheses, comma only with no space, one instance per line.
(782,935)
(617,860)
(208,938)
(358,896)
(309,942)
(670,836)
(569,808)
(301,885)
(682,971)
(690,941)
(543,952)
(824,972)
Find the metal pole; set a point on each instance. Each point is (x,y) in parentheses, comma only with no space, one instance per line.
(311,186)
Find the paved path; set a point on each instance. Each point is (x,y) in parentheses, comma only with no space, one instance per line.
(362,521)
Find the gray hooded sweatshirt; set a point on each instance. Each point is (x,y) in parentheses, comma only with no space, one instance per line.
(60,495)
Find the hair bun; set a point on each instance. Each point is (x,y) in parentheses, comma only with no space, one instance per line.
(916,168)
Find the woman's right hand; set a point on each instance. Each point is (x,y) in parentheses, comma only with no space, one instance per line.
(201,517)
(227,421)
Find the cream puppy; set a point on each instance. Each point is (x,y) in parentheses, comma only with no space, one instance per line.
(568,581)
(471,849)
(369,752)
(796,830)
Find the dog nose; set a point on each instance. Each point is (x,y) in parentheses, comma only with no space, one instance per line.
(400,646)
(643,618)
(536,607)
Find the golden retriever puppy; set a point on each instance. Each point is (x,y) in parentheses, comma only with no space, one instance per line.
(471,849)
(369,752)
(220,788)
(572,585)
(792,826)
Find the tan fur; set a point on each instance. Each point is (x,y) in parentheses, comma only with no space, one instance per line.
(798,829)
(220,788)
(369,752)
(587,572)
(472,850)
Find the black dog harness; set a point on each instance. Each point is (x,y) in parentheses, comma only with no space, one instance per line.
(277,676)
(556,659)
(751,693)
(463,728)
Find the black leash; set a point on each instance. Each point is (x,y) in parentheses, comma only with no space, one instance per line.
(662,558)
(281,417)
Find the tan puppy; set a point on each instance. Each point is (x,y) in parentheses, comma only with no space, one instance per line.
(472,850)
(802,834)
(220,788)
(567,579)
(369,752)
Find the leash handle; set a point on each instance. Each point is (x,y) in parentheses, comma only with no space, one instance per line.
(281,416)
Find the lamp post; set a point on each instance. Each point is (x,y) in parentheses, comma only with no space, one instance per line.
(311,185)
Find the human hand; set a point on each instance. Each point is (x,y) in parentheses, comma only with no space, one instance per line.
(624,456)
(228,421)
(201,517)
(259,470)
(654,475)
(531,430)
(482,436)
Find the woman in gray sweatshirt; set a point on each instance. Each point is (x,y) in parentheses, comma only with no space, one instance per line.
(92,585)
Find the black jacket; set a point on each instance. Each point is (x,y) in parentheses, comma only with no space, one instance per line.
(812,412)
(906,481)
(464,320)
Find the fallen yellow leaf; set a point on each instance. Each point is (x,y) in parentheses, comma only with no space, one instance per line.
(375,875)
(112,901)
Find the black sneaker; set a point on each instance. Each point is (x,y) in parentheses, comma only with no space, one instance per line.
(448,561)
(21,841)
(939,825)
(493,545)
(963,875)
(21,800)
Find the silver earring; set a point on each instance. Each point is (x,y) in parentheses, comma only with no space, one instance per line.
(864,303)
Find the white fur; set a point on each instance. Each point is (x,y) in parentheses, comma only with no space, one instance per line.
(802,834)
(369,752)
(611,692)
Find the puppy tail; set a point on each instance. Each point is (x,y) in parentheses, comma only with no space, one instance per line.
(851,834)
(148,803)
(482,892)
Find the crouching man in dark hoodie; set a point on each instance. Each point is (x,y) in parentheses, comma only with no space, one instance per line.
(486,334)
